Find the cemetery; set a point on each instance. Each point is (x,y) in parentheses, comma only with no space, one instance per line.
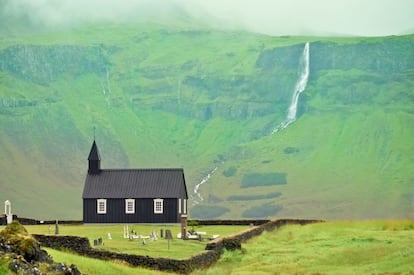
(141,239)
(166,247)
(209,244)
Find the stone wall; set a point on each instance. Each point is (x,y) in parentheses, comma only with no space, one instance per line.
(230,222)
(234,241)
(74,243)
(29,221)
(214,249)
(82,247)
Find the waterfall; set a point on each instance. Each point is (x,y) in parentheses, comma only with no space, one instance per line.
(204,180)
(107,81)
(179,92)
(300,86)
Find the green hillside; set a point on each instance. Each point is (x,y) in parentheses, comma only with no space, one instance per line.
(207,100)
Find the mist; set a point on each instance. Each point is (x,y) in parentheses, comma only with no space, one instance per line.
(277,17)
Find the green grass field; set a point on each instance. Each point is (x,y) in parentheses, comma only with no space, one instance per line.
(375,247)
(343,247)
(94,266)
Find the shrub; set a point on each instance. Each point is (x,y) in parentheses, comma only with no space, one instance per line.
(231,171)
(290,150)
(254,197)
(208,211)
(264,179)
(15,228)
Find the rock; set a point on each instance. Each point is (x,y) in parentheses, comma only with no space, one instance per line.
(25,256)
(16,239)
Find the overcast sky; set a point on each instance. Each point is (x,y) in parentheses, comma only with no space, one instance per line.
(274,17)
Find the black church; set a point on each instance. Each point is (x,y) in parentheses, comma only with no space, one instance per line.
(133,195)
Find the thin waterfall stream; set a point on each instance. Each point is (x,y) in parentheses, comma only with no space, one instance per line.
(300,86)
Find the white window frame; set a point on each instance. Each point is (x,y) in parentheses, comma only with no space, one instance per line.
(179,206)
(129,202)
(158,206)
(185,206)
(100,210)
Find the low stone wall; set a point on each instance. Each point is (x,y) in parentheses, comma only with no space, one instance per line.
(214,249)
(230,222)
(29,221)
(82,247)
(234,241)
(73,243)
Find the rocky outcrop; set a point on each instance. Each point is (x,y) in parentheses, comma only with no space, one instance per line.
(15,239)
(24,254)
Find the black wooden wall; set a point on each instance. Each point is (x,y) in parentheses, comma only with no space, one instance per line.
(144,212)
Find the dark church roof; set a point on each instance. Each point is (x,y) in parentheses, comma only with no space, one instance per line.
(94,153)
(134,183)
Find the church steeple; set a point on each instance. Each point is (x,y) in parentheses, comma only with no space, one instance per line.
(94,160)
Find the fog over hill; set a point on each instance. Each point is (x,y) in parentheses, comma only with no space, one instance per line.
(319,17)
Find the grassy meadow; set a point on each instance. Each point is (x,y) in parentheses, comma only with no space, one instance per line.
(338,247)
(366,247)
(94,266)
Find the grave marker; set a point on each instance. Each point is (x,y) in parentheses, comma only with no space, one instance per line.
(57,228)
(168,236)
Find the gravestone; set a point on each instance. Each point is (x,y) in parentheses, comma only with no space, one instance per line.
(98,241)
(57,228)
(153,235)
(168,234)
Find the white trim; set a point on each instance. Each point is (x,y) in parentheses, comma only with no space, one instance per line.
(101,206)
(158,206)
(129,206)
(179,206)
(7,207)
(185,206)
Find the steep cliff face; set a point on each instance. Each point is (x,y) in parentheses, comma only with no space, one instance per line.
(392,55)
(265,91)
(45,64)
